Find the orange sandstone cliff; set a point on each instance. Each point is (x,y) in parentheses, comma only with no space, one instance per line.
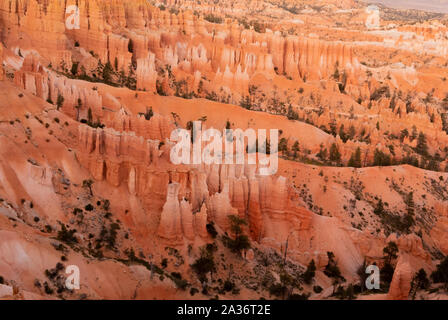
(86,116)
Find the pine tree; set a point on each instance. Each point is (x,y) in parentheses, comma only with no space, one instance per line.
(355,159)
(422,279)
(131,46)
(358,163)
(89,116)
(351,132)
(149,113)
(333,127)
(59,101)
(335,155)
(283,146)
(422,147)
(78,108)
(414,133)
(381,159)
(310,272)
(131,81)
(107,73)
(322,154)
(336,74)
(390,252)
(342,133)
(379,210)
(240,241)
(295,148)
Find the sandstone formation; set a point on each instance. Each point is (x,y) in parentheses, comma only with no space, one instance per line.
(401,282)
(87,116)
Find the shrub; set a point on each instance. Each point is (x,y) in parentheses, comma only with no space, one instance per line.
(59,101)
(292,115)
(308,275)
(48,290)
(112,236)
(390,251)
(131,46)
(149,113)
(421,279)
(332,269)
(317,289)
(204,264)
(296,296)
(355,159)
(213,19)
(66,235)
(347,293)
(422,147)
(381,159)
(240,241)
(76,211)
(228,286)
(335,155)
(387,273)
(178,281)
(277,289)
(74,69)
(440,275)
(211,230)
(193,291)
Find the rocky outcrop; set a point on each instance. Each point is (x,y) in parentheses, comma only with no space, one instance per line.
(110,154)
(401,281)
(200,222)
(177,219)
(146,73)
(221,208)
(170,226)
(156,127)
(208,193)
(188,219)
(231,57)
(77,100)
(2,75)
(411,244)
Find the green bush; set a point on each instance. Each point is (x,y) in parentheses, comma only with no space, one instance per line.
(308,275)
(277,289)
(240,241)
(440,275)
(296,296)
(213,19)
(66,235)
(332,269)
(204,264)
(317,289)
(211,230)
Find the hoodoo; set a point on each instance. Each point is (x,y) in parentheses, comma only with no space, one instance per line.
(350,118)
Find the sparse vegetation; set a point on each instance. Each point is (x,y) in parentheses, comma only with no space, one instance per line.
(240,241)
